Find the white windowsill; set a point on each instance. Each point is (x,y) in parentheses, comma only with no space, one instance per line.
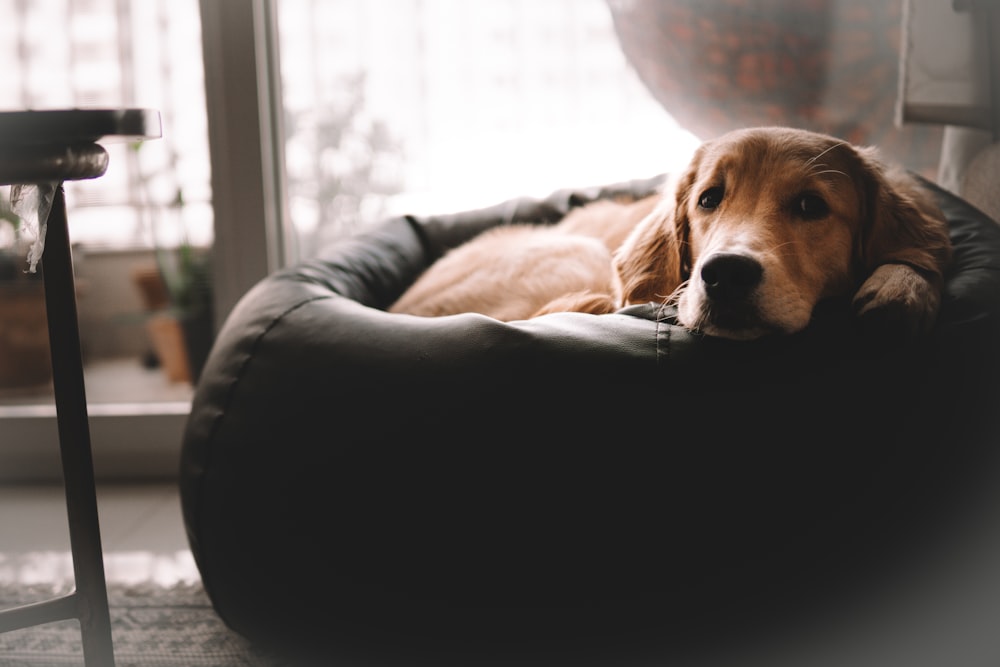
(136,418)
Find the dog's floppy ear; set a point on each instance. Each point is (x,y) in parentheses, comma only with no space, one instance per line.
(654,260)
(903,251)
(902,224)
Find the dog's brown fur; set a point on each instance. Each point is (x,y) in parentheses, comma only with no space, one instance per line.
(762,225)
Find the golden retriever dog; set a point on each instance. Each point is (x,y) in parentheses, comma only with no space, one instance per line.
(762,225)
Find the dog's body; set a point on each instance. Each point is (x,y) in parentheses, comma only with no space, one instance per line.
(514,272)
(763,225)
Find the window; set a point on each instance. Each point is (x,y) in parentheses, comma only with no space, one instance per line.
(126,226)
(418,106)
(318,118)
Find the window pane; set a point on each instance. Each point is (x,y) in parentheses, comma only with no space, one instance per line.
(132,227)
(431,106)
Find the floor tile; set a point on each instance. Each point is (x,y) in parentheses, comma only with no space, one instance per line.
(142,534)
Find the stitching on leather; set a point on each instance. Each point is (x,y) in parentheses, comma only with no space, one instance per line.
(660,352)
(238,376)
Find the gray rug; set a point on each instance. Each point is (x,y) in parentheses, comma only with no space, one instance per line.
(151,626)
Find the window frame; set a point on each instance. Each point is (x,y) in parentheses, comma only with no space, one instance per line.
(242,96)
(143,441)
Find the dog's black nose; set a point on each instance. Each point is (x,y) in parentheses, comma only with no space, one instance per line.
(730,277)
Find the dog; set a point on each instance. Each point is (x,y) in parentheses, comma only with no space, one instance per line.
(764,224)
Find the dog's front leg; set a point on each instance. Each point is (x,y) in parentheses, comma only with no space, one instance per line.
(897,303)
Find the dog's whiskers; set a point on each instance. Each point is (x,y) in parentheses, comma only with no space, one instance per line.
(672,298)
(836,145)
(828,171)
(776,248)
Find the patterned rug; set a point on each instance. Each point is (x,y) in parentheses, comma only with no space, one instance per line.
(151,626)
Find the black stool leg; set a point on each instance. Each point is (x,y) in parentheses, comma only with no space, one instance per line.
(74,439)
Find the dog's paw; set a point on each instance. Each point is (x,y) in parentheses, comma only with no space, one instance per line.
(896,303)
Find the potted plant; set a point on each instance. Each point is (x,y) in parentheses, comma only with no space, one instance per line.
(186,272)
(24,335)
(177,292)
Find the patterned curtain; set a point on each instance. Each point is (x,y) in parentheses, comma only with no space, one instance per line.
(825,65)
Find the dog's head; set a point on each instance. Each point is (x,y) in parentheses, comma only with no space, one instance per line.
(767,222)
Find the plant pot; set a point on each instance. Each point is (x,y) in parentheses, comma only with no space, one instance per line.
(167,336)
(25,360)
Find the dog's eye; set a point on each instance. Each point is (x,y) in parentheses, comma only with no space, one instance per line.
(711,198)
(811,207)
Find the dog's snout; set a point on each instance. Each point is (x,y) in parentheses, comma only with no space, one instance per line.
(730,276)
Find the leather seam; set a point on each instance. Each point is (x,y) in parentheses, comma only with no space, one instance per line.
(238,376)
(660,351)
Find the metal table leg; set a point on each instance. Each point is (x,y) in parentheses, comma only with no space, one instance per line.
(52,146)
(74,439)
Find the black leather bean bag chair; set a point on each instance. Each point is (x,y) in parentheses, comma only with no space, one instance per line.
(363,485)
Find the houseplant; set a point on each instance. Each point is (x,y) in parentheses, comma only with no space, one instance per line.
(178,294)
(187,275)
(177,291)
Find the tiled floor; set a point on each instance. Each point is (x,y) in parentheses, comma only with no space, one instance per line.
(142,533)
(141,529)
